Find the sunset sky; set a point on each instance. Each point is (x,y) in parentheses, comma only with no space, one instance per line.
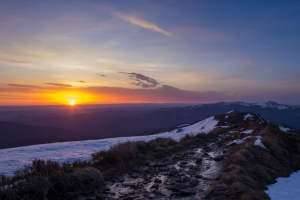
(90,52)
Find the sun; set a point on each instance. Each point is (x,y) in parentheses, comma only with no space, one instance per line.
(72,102)
(70,98)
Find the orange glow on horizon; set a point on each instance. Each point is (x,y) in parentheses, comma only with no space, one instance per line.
(70,98)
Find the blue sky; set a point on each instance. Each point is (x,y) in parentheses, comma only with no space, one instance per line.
(235,50)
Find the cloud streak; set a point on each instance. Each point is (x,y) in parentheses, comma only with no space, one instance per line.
(142,80)
(22,85)
(59,85)
(142,23)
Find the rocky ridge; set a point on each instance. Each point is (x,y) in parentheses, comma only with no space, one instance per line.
(187,174)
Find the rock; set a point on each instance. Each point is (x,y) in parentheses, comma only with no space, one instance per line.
(128,198)
(159,164)
(128,192)
(127,183)
(146,169)
(178,186)
(91,197)
(176,193)
(194,182)
(188,191)
(88,192)
(171,181)
(153,190)
(151,196)
(172,172)
(80,197)
(75,193)
(219,157)
(199,160)
(155,185)
(100,196)
(134,175)
(298,145)
(106,188)
(183,163)
(170,187)
(157,180)
(205,154)
(185,179)
(198,176)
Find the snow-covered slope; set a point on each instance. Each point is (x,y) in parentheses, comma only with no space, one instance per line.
(285,188)
(269,104)
(12,159)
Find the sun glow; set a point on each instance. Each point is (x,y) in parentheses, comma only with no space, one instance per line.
(72,102)
(70,98)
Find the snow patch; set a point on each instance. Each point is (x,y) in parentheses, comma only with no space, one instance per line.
(226,117)
(238,141)
(283,128)
(230,111)
(285,188)
(248,132)
(258,142)
(248,116)
(203,126)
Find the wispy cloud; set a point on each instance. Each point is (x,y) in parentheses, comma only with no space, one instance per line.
(142,23)
(22,85)
(59,84)
(81,81)
(14,62)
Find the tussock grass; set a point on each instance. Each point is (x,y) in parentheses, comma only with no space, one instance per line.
(250,168)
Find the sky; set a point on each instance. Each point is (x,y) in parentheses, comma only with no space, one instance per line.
(158,51)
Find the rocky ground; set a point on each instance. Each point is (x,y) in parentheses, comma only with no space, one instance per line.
(183,175)
(186,174)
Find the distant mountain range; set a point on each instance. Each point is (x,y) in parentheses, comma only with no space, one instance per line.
(42,125)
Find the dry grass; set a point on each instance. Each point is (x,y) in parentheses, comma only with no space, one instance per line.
(44,179)
(250,168)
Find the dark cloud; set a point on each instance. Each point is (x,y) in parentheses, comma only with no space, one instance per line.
(142,80)
(59,84)
(81,81)
(168,87)
(22,85)
(101,75)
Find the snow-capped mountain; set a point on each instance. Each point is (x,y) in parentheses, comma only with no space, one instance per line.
(269,104)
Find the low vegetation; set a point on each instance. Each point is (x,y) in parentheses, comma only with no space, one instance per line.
(249,168)
(48,179)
